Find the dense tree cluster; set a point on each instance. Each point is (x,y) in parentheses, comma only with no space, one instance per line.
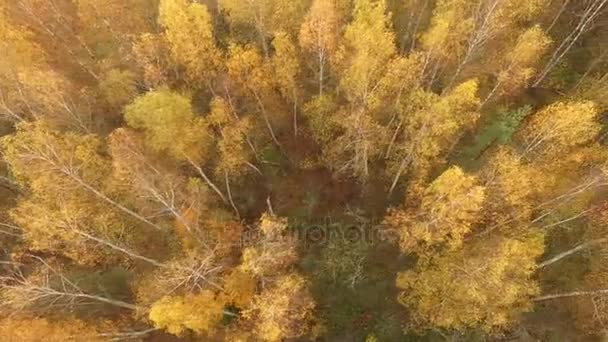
(164,163)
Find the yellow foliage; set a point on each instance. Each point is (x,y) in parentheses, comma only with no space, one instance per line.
(287,15)
(197,312)
(52,166)
(486,285)
(510,187)
(221,112)
(530,46)
(286,66)
(183,21)
(433,124)
(29,88)
(266,15)
(319,35)
(127,17)
(519,63)
(367,52)
(200,81)
(320,30)
(240,287)
(450,28)
(169,124)
(520,11)
(319,111)
(234,152)
(402,77)
(43,94)
(361,142)
(371,338)
(246,65)
(19,50)
(40,329)
(40,156)
(369,45)
(269,258)
(283,310)
(561,126)
(554,175)
(109,27)
(118,87)
(449,208)
(152,56)
(274,252)
(272,226)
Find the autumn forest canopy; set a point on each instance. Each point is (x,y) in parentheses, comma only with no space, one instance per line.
(308,170)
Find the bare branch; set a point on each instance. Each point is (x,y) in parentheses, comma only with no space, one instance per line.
(571,294)
(570,252)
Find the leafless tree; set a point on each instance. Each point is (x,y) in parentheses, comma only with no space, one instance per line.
(48,289)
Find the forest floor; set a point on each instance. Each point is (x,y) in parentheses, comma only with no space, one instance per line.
(351,268)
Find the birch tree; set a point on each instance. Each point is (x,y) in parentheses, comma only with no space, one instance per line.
(518,67)
(30,87)
(369,47)
(446,37)
(495,20)
(510,189)
(170,126)
(560,127)
(283,311)
(319,35)
(57,31)
(490,286)
(434,127)
(249,71)
(199,313)
(183,21)
(286,67)
(449,208)
(110,27)
(591,11)
(266,17)
(32,329)
(50,163)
